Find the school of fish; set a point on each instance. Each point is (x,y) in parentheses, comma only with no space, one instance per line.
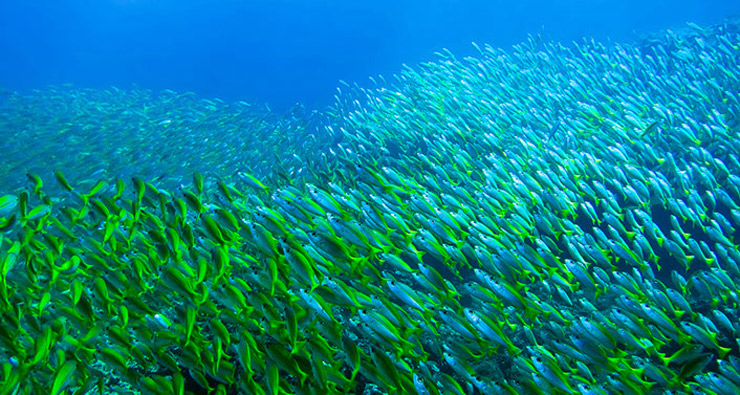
(547,219)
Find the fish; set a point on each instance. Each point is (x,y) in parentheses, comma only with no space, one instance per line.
(653,126)
(553,130)
(425,233)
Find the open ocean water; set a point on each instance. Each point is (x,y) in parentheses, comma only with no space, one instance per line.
(293,197)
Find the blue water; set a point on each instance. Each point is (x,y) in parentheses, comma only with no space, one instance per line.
(282,52)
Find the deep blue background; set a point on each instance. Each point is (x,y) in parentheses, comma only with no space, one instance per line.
(287,51)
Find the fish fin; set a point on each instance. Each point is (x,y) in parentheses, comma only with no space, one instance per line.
(684,339)
(531,312)
(598,292)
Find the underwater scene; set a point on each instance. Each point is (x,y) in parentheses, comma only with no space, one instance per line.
(550,218)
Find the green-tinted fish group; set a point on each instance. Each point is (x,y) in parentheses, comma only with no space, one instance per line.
(164,138)
(549,219)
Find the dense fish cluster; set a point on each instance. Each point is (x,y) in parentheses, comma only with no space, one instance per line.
(164,138)
(543,220)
